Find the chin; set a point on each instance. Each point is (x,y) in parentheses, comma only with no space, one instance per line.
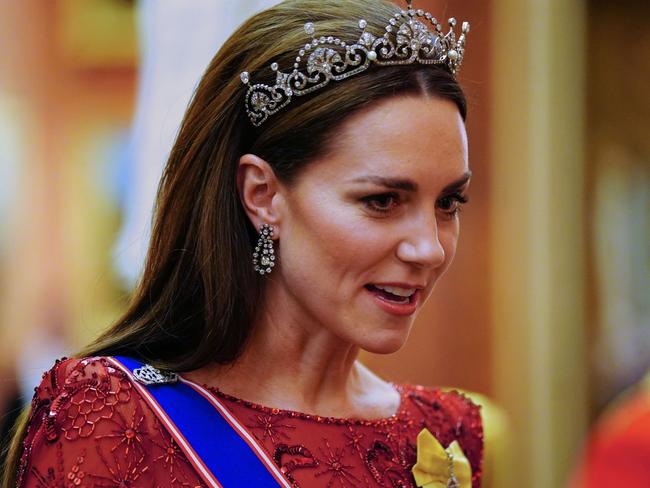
(386,343)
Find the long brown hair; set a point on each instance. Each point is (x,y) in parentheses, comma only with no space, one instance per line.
(197,296)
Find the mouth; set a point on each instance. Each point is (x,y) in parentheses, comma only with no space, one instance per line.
(392,293)
(397,300)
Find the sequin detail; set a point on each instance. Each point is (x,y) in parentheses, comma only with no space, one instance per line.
(90,427)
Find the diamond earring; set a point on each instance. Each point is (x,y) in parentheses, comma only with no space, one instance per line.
(264,254)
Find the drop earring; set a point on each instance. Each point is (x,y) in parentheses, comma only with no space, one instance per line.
(264,254)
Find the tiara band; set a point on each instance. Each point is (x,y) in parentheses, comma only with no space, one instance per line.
(407,40)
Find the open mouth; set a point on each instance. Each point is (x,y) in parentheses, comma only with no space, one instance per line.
(393,293)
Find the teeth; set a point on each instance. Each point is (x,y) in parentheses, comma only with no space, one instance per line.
(395,290)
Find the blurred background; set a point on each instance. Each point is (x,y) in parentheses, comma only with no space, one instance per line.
(547,307)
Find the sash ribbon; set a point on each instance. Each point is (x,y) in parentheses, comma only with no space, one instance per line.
(223,452)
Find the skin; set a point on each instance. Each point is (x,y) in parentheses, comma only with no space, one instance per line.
(337,229)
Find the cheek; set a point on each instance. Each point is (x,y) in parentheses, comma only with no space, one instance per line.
(316,235)
(330,240)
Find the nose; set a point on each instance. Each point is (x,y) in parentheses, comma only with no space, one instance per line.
(421,245)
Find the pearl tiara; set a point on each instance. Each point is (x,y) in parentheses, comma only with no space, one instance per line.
(407,40)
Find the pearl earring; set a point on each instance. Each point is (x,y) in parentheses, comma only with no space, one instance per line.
(264,255)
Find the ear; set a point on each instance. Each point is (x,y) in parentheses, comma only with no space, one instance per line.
(259,191)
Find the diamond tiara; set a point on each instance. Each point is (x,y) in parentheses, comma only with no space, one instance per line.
(407,40)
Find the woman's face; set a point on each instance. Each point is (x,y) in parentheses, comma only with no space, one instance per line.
(367,230)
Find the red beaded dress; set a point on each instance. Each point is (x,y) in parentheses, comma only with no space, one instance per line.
(89,427)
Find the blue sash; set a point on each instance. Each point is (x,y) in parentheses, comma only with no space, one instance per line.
(222,451)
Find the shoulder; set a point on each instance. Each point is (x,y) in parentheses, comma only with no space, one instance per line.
(450,415)
(88,420)
(75,393)
(451,412)
(454,404)
(74,400)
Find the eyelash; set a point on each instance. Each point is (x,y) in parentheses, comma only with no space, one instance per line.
(371,200)
(457,201)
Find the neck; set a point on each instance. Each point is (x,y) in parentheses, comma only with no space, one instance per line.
(307,367)
(293,363)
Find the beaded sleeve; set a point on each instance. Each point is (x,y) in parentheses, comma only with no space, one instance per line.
(88,427)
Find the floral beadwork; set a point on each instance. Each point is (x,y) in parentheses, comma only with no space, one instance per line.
(364,453)
(270,426)
(89,427)
(335,467)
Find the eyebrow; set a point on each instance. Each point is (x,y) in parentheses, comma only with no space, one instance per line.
(409,185)
(459,183)
(392,183)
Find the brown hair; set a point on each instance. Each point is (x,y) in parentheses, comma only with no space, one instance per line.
(195,301)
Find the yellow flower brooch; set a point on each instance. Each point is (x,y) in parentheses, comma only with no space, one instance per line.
(438,467)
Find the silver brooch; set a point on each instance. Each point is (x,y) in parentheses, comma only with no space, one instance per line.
(148,375)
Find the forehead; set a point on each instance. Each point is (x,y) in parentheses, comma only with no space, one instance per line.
(416,137)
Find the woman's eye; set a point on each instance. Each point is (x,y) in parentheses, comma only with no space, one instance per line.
(382,203)
(452,204)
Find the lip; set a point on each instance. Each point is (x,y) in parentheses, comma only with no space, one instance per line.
(399,284)
(393,308)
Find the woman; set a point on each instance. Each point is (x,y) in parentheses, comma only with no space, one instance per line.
(307,209)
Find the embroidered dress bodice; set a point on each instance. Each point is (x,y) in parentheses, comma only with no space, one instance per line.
(89,427)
